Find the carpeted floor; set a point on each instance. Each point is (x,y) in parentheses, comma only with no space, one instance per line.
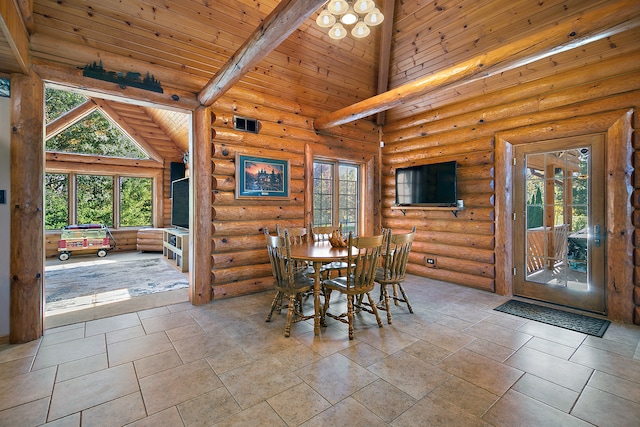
(75,285)
(564,319)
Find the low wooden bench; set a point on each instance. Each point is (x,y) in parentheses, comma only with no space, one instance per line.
(149,240)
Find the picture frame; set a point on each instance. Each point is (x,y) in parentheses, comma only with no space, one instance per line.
(261,178)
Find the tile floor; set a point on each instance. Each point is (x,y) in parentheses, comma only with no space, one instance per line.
(454,362)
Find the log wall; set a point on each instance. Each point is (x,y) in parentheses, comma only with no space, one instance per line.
(464,247)
(240,264)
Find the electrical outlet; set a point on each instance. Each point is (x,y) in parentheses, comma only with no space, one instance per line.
(430,262)
(3,199)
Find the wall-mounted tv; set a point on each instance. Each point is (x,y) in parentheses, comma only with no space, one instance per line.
(180,203)
(427,185)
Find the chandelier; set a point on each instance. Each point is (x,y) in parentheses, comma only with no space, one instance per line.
(338,13)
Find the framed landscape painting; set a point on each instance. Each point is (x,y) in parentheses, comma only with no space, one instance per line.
(261,177)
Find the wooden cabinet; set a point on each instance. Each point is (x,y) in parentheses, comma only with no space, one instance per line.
(175,248)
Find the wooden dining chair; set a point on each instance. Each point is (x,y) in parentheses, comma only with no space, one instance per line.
(393,271)
(361,266)
(322,234)
(290,282)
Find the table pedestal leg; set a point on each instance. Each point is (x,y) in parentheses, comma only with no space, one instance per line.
(316,297)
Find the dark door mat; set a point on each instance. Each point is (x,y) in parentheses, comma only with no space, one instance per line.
(551,316)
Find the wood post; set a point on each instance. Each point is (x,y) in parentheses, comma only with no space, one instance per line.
(27,214)
(200,263)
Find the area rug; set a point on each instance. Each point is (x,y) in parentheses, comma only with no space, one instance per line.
(572,321)
(75,285)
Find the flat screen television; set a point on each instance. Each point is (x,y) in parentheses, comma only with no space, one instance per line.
(427,185)
(180,203)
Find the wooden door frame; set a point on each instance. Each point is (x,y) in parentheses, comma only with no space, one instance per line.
(617,126)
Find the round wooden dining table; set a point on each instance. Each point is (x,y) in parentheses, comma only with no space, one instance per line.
(318,253)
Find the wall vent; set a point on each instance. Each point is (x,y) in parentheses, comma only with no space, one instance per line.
(244,124)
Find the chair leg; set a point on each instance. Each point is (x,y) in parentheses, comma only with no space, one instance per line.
(292,304)
(385,295)
(350,314)
(375,309)
(395,294)
(277,303)
(404,295)
(327,298)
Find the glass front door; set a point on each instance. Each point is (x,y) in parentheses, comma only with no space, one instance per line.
(559,222)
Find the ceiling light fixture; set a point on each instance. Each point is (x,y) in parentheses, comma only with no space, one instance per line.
(338,13)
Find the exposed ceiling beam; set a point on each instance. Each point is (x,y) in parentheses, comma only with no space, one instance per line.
(26,10)
(385,52)
(15,32)
(599,23)
(276,27)
(69,118)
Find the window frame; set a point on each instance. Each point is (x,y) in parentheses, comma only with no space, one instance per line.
(335,196)
(156,175)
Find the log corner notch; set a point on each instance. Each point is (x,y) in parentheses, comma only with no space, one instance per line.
(603,22)
(14,30)
(276,27)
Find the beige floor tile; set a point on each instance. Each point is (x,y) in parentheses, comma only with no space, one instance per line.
(153,312)
(504,337)
(167,418)
(329,341)
(347,412)
(265,343)
(62,336)
(258,415)
(200,346)
(433,411)
(157,363)
(427,352)
(186,331)
(294,357)
(67,351)
(558,350)
(559,371)
(615,385)
(605,409)
(363,354)
(110,324)
(29,414)
(387,340)
(481,371)
(490,349)
(227,359)
(621,348)
(176,385)
(81,367)
(298,404)
(516,409)
(208,408)
(93,389)
(168,321)
(336,377)
(15,367)
(442,336)
(27,387)
(72,420)
(9,352)
(546,392)
(138,348)
(117,412)
(610,363)
(383,399)
(466,396)
(409,374)
(553,333)
(255,382)
(125,334)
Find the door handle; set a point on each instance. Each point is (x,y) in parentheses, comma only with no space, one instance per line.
(596,235)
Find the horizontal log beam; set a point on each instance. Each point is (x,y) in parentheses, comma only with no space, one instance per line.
(15,33)
(586,28)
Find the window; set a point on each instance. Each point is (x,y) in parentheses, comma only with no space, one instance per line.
(97,201)
(336,194)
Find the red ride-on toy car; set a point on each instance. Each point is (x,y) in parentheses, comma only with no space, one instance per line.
(85,237)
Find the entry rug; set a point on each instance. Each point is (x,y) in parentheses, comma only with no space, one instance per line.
(563,319)
(72,286)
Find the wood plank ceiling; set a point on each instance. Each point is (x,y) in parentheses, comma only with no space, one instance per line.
(185,42)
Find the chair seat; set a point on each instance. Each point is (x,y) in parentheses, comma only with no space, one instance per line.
(340,284)
(336,265)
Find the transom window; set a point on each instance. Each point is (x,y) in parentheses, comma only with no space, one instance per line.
(336,194)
